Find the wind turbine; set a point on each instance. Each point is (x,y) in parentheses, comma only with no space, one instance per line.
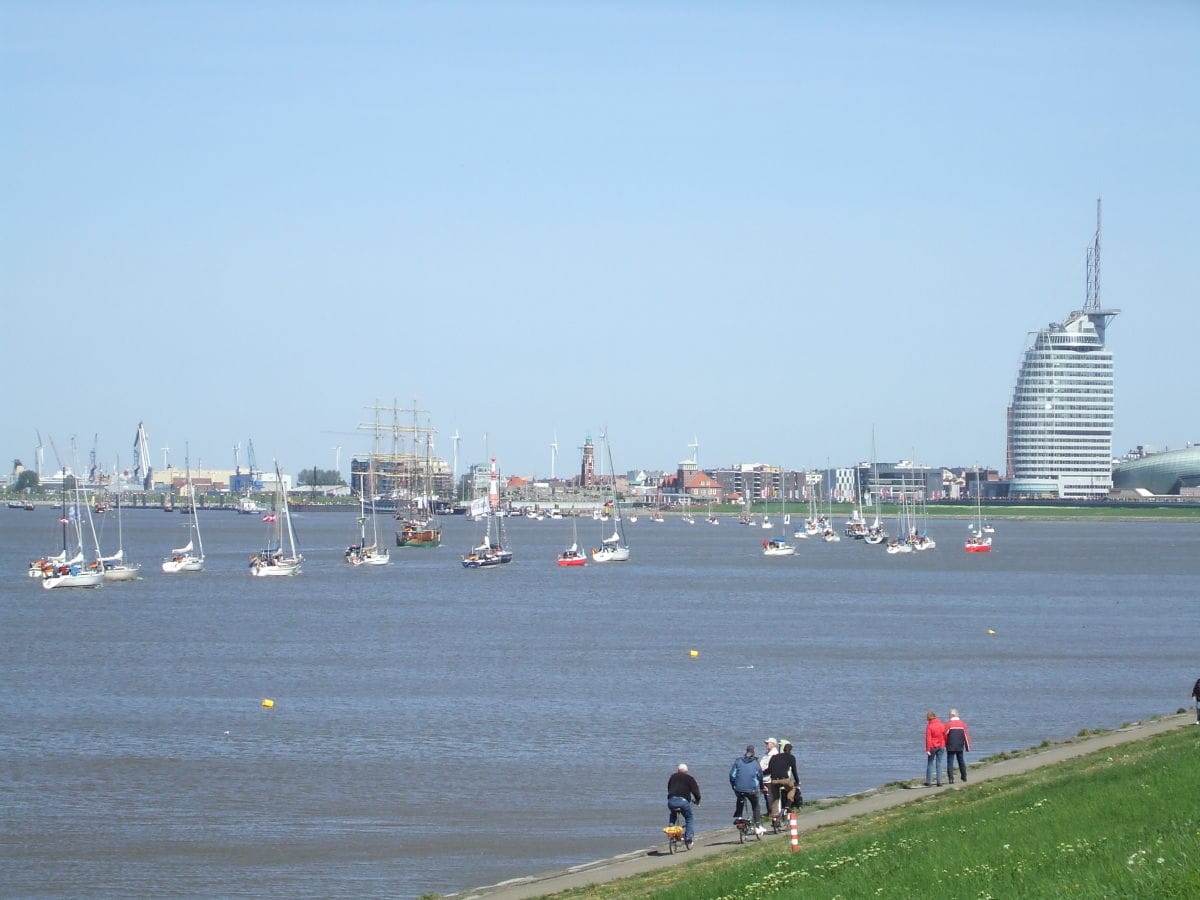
(337,460)
(165,451)
(553,454)
(456,438)
(695,445)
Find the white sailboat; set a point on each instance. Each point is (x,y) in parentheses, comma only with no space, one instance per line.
(116,567)
(494,551)
(614,548)
(829,533)
(875,531)
(778,547)
(189,557)
(73,572)
(362,553)
(279,556)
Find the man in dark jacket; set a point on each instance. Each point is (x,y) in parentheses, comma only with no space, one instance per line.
(745,777)
(682,792)
(1196,697)
(957,742)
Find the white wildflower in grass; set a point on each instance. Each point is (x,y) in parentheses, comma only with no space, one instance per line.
(1160,860)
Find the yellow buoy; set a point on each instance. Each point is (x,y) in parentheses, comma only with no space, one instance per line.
(990,631)
(268,703)
(693,653)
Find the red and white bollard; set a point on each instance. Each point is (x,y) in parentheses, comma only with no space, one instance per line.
(794,831)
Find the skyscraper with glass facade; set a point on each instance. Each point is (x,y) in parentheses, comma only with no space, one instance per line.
(1060,422)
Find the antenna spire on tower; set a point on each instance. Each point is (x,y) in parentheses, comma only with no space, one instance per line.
(1093,267)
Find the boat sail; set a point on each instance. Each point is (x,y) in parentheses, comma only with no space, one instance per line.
(494,550)
(66,573)
(189,557)
(279,556)
(613,548)
(362,553)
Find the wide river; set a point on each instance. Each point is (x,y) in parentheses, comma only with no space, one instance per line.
(436,728)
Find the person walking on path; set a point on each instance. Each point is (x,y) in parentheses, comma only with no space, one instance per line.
(1196,697)
(958,741)
(935,748)
(745,777)
(682,793)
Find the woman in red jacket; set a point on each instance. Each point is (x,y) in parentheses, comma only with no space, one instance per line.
(935,748)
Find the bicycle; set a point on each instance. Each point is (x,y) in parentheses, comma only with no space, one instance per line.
(779,823)
(675,839)
(747,829)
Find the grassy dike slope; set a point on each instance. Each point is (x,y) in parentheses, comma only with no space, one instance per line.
(1122,820)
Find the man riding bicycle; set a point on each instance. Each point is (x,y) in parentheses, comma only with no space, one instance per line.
(682,792)
(745,777)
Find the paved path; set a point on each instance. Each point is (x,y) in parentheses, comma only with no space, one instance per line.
(810,818)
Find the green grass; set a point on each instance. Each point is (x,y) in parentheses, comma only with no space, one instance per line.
(1121,823)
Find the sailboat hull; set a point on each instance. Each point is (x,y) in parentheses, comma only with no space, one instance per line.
(610,554)
(261,569)
(122,573)
(418,537)
(73,580)
(182,564)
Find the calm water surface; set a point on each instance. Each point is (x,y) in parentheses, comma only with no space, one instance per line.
(437,728)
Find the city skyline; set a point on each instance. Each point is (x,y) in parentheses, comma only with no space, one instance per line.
(771,230)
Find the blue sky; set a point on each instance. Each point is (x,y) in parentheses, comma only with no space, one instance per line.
(772,227)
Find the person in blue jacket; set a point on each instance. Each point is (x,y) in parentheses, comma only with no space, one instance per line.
(745,777)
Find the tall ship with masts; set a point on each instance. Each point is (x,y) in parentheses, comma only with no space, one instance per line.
(411,481)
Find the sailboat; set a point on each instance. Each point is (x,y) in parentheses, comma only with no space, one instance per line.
(362,553)
(573,556)
(919,533)
(712,519)
(614,548)
(829,533)
(493,551)
(115,566)
(778,547)
(420,528)
(72,572)
(977,540)
(856,525)
(189,557)
(906,527)
(875,533)
(279,556)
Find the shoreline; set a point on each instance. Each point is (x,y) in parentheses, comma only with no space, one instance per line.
(830,811)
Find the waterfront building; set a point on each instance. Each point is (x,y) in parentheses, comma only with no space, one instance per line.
(752,481)
(1060,422)
(903,479)
(1161,473)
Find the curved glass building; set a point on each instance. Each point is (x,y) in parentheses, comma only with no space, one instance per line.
(1060,422)
(1167,472)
